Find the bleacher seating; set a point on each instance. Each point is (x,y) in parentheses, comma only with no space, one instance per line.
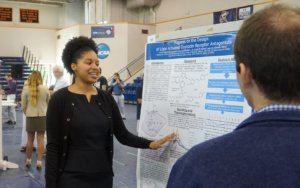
(6,64)
(130,96)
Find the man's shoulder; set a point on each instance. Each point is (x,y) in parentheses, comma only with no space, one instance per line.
(212,148)
(63,81)
(201,159)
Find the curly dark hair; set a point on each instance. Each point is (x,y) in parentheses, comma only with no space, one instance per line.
(75,48)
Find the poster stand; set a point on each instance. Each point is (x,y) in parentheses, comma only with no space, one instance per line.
(190,87)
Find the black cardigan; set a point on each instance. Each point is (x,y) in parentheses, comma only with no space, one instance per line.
(59,115)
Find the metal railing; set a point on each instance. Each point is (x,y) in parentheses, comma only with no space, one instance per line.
(131,69)
(34,64)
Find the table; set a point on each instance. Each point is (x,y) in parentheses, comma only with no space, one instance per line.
(5,164)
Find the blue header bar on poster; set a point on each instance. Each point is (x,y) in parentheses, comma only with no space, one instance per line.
(202,46)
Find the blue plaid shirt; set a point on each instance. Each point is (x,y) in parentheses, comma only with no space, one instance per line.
(278,107)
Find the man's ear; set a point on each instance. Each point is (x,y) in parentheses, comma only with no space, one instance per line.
(245,75)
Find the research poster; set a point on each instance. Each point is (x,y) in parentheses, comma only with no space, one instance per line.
(190,88)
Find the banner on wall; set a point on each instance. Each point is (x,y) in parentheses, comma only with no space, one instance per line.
(244,12)
(225,16)
(29,15)
(102,31)
(5,14)
(190,88)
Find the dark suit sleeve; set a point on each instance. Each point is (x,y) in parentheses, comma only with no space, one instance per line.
(186,172)
(54,131)
(139,92)
(121,132)
(104,81)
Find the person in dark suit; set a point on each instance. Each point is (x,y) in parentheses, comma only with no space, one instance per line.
(263,151)
(139,95)
(101,82)
(81,121)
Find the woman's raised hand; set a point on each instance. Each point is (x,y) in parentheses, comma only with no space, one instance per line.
(158,143)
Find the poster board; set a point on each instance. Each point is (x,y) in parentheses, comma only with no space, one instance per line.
(190,88)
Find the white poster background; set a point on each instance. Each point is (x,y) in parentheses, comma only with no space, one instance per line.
(196,97)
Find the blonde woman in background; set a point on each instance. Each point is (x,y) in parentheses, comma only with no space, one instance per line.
(35,98)
(24,134)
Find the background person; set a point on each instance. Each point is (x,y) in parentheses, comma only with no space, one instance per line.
(10,91)
(24,133)
(58,72)
(263,151)
(139,95)
(35,98)
(81,156)
(117,87)
(101,82)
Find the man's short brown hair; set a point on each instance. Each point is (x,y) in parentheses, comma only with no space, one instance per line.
(268,43)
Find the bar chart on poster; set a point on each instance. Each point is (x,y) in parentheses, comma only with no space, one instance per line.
(190,87)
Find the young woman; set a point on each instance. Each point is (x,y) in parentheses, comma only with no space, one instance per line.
(81,122)
(35,98)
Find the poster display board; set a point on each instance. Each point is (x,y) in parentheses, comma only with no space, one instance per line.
(190,87)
